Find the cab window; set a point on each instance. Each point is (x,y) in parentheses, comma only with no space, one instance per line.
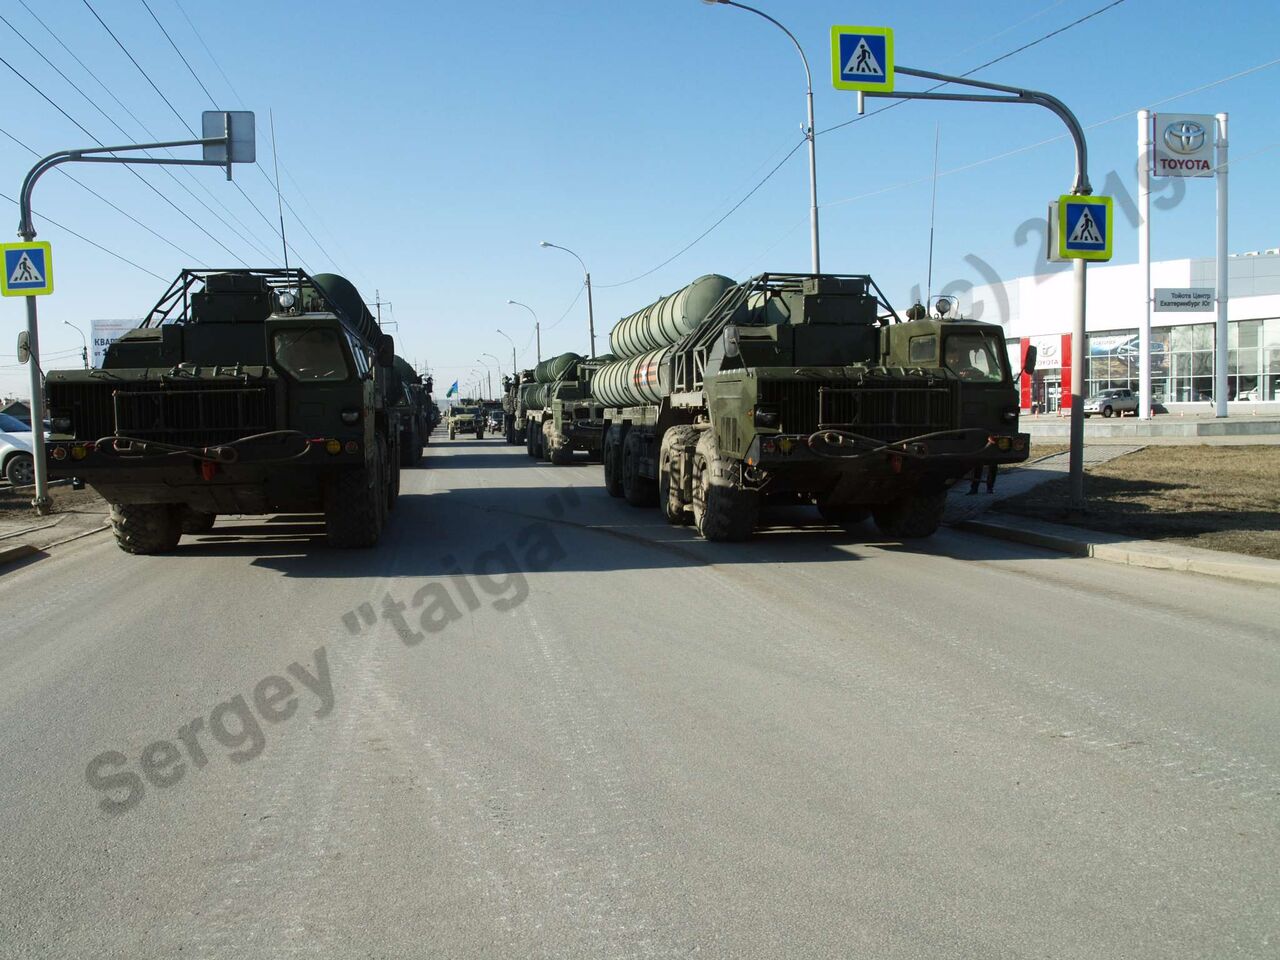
(313,354)
(971,356)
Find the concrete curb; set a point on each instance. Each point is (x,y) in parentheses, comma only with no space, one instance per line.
(1134,553)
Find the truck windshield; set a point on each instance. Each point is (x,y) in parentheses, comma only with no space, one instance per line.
(311,354)
(972,356)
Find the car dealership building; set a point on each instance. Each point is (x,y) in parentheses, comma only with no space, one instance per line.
(1038,310)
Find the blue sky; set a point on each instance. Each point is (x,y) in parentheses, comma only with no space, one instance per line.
(428,147)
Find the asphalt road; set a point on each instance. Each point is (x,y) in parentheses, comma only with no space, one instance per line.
(535,722)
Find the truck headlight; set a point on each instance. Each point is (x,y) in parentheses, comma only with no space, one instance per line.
(350,417)
(764,417)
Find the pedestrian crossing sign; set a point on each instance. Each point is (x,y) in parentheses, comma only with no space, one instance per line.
(28,269)
(862,58)
(1084,229)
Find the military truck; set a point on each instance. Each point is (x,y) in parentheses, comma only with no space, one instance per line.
(467,417)
(563,418)
(512,433)
(243,391)
(801,387)
(410,405)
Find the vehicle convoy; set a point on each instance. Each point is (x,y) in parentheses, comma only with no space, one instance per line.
(411,406)
(467,417)
(514,415)
(243,391)
(1111,403)
(562,416)
(801,388)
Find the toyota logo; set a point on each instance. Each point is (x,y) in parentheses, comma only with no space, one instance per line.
(1184,136)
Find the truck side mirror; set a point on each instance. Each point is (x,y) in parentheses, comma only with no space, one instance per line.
(1029,362)
(386,351)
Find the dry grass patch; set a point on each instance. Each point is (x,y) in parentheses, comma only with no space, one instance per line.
(15,504)
(1220,498)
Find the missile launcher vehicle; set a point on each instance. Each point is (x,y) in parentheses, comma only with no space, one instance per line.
(800,387)
(243,391)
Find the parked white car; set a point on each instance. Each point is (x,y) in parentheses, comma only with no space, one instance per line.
(1112,403)
(16,462)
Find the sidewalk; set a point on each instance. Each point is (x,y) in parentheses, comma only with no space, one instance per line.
(1014,480)
(973,514)
(27,534)
(1242,428)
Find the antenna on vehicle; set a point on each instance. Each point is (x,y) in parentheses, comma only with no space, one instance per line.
(933,206)
(275,156)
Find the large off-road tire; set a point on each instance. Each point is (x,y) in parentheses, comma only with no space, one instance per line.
(196,521)
(613,463)
(144,528)
(20,470)
(911,517)
(639,491)
(722,510)
(354,506)
(677,442)
(390,477)
(560,455)
(410,448)
(452,433)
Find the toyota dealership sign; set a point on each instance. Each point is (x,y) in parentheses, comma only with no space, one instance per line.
(1183,145)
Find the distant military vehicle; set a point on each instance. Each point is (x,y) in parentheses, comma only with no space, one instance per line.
(800,387)
(562,417)
(411,401)
(243,391)
(467,417)
(511,412)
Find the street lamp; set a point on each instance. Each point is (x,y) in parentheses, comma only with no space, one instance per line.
(514,372)
(537,328)
(810,132)
(488,372)
(84,350)
(591,319)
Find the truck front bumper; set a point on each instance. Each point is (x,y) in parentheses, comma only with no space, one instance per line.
(948,451)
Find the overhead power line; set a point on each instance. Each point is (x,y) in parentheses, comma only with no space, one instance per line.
(866,116)
(92,243)
(169,103)
(133,171)
(191,258)
(124,133)
(213,100)
(199,182)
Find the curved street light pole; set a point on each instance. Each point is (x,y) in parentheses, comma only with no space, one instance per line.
(810,132)
(497,365)
(84,349)
(514,372)
(591,319)
(537,328)
(488,372)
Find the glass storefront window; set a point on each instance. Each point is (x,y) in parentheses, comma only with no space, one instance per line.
(1182,361)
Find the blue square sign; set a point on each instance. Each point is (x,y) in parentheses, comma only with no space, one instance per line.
(28,269)
(862,58)
(1085,228)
